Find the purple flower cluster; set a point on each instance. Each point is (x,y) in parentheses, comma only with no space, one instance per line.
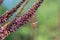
(7,14)
(12,26)
(23,19)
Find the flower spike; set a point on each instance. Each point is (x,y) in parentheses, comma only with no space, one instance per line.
(11,27)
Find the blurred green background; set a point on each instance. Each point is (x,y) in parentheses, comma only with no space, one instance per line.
(47,17)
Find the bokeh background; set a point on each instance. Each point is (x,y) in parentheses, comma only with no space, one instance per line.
(47,16)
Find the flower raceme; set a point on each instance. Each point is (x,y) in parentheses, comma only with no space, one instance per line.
(4,27)
(7,14)
(23,19)
(20,10)
(12,26)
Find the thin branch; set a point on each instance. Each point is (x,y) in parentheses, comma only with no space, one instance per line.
(34,24)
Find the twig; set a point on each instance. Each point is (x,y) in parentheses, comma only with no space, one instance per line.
(34,24)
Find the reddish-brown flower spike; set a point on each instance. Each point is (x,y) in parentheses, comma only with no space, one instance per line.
(11,27)
(1,1)
(7,14)
(20,10)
